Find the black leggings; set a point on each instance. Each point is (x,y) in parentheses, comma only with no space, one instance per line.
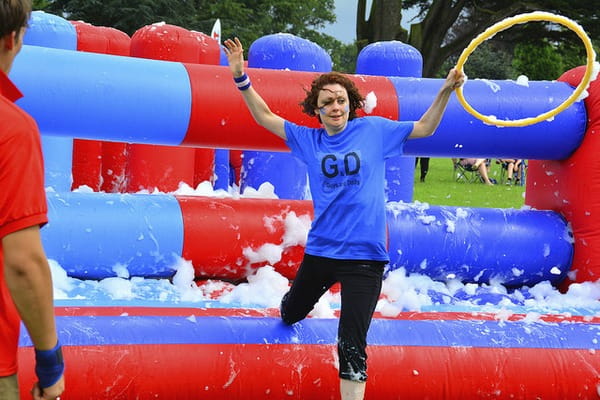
(361,285)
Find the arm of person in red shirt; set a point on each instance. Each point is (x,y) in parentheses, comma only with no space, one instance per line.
(30,283)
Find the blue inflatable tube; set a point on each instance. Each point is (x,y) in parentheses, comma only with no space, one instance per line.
(462,135)
(90,234)
(139,100)
(170,353)
(145,330)
(478,245)
(96,96)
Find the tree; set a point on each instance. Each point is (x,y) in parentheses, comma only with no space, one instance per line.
(383,23)
(125,15)
(445,27)
(248,20)
(39,4)
(538,62)
(489,61)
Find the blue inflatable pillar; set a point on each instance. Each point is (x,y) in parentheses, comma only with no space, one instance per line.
(47,30)
(286,173)
(394,58)
(222,169)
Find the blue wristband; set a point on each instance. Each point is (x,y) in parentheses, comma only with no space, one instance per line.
(49,366)
(242,82)
(240,79)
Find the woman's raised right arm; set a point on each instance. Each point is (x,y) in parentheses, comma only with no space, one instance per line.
(258,107)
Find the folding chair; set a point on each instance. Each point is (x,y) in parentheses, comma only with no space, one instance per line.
(518,176)
(464,173)
(523,172)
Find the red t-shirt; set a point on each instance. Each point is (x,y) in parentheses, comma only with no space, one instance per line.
(22,201)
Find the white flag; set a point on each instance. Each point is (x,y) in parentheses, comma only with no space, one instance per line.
(216,31)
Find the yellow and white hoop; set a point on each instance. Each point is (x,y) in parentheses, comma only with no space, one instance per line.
(518,19)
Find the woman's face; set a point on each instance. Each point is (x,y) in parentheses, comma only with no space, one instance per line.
(333,107)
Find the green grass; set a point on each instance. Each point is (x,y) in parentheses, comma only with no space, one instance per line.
(441,188)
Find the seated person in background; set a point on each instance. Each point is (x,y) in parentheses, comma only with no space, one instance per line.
(479,165)
(513,168)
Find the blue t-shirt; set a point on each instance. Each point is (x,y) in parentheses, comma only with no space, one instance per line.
(346,175)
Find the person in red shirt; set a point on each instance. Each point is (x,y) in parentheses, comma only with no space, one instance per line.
(25,279)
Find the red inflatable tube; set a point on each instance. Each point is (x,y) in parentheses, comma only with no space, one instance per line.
(239,226)
(213,126)
(243,371)
(101,366)
(571,186)
(232,372)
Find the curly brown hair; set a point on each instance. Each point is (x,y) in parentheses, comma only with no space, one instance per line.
(310,104)
(14,15)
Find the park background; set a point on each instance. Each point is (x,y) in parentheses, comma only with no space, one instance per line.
(442,171)
(438,29)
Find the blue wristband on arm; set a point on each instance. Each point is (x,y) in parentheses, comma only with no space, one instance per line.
(242,82)
(49,366)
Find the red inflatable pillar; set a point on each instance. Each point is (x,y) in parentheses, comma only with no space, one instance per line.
(210,53)
(87,164)
(89,161)
(572,186)
(115,156)
(162,167)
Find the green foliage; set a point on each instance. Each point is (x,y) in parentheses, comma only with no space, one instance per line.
(125,15)
(342,55)
(538,62)
(488,61)
(345,58)
(442,29)
(248,20)
(245,19)
(573,55)
(39,4)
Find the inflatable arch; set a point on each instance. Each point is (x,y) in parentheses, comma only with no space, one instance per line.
(149,349)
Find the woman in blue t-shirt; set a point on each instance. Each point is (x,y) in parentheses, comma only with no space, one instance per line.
(346,168)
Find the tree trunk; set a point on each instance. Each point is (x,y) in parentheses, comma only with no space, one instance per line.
(436,36)
(383,23)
